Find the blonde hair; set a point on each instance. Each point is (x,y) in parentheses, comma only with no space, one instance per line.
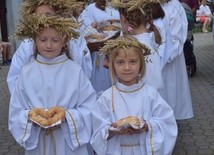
(138,12)
(112,48)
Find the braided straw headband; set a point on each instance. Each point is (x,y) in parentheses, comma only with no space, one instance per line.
(34,24)
(124,42)
(131,5)
(62,7)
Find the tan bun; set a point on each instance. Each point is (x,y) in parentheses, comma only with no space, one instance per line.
(111,28)
(128,120)
(46,117)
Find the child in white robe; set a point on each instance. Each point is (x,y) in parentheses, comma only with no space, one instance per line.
(95,13)
(176,80)
(130,96)
(137,21)
(51,79)
(24,54)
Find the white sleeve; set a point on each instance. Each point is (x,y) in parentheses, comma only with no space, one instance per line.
(79,117)
(178,31)
(22,56)
(162,133)
(81,54)
(101,122)
(86,17)
(23,130)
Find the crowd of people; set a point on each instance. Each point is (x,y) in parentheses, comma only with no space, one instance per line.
(140,74)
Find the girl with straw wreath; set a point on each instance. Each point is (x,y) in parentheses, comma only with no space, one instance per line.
(136,19)
(51,80)
(156,130)
(77,46)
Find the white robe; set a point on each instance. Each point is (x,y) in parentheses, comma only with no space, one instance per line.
(92,14)
(62,83)
(153,74)
(145,103)
(164,49)
(25,54)
(175,74)
(100,76)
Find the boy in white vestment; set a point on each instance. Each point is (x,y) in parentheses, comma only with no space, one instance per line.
(51,81)
(77,47)
(152,128)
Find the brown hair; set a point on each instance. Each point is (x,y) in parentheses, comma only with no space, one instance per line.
(157,11)
(138,15)
(101,4)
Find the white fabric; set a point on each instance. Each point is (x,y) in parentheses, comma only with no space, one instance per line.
(145,103)
(176,18)
(25,54)
(93,14)
(165,49)
(60,83)
(177,91)
(100,76)
(204,10)
(153,74)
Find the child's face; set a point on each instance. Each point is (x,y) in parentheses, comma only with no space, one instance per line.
(127,66)
(43,9)
(48,43)
(204,2)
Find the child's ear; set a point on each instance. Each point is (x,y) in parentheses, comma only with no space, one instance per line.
(122,18)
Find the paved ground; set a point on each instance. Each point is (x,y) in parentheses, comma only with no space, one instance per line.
(196,135)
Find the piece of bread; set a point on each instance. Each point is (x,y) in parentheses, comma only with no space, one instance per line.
(111,28)
(98,37)
(46,117)
(128,120)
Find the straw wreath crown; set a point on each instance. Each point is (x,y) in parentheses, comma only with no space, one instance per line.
(62,7)
(131,5)
(124,42)
(34,23)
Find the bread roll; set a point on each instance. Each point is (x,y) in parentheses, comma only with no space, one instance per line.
(111,28)
(46,117)
(128,120)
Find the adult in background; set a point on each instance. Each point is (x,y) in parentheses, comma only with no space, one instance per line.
(204,15)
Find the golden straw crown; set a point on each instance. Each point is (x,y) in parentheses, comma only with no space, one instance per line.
(131,5)
(35,23)
(62,7)
(124,42)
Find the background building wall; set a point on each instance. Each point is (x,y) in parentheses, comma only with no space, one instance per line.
(13,16)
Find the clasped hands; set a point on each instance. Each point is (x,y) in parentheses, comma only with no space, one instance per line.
(127,130)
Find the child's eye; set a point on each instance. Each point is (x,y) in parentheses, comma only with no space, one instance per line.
(133,61)
(55,40)
(42,40)
(119,62)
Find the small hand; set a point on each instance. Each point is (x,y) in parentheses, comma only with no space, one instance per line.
(140,130)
